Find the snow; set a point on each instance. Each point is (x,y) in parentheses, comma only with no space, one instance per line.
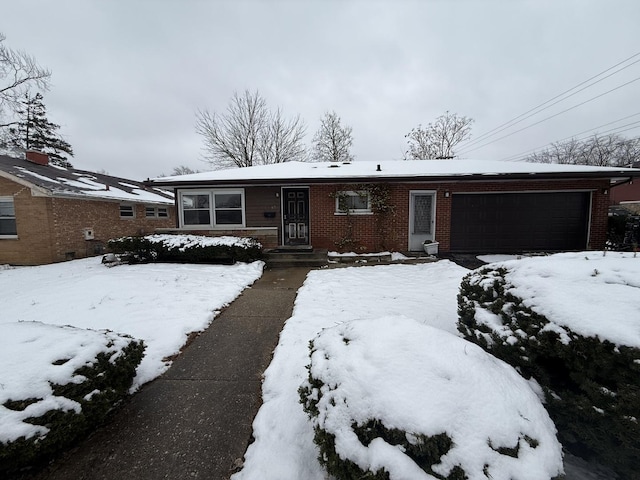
(592,293)
(283,447)
(413,377)
(183,242)
(389,169)
(157,303)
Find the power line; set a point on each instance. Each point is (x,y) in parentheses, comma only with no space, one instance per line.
(552,116)
(539,108)
(528,152)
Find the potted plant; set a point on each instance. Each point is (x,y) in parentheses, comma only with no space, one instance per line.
(430,247)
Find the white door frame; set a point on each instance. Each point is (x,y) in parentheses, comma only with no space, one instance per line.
(415,240)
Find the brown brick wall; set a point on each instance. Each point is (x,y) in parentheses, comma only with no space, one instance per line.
(52,229)
(327,228)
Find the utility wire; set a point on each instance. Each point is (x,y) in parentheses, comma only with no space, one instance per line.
(539,108)
(552,116)
(527,152)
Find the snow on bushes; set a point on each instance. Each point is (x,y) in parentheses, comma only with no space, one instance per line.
(58,383)
(393,399)
(186,249)
(572,322)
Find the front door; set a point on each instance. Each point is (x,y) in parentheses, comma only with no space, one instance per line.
(421,219)
(295,205)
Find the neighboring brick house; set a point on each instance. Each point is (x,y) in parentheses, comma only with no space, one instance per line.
(466,206)
(627,194)
(51,214)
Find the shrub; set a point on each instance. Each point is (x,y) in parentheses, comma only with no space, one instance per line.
(185,249)
(591,386)
(392,398)
(72,409)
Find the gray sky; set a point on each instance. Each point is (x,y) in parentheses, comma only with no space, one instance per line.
(129,75)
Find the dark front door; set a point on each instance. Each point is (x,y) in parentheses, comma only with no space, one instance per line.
(295,205)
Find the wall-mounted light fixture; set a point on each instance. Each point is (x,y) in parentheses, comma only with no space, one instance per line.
(605,191)
(446,193)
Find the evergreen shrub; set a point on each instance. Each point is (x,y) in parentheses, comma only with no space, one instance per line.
(591,386)
(150,249)
(105,385)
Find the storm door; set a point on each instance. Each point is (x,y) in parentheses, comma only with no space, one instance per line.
(421,219)
(295,207)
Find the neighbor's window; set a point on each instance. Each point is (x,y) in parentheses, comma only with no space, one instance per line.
(127,211)
(214,208)
(7,217)
(353,202)
(156,212)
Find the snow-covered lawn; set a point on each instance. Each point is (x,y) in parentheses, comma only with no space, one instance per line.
(284,447)
(157,303)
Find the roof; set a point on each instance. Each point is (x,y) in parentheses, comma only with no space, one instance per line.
(68,182)
(394,170)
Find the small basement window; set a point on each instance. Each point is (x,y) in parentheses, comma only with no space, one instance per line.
(7,218)
(127,211)
(353,202)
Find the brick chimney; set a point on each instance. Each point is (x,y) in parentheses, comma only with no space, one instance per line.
(37,157)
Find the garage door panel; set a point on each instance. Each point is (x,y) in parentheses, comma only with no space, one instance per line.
(515,222)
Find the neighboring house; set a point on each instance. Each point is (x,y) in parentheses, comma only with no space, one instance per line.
(50,214)
(627,194)
(466,206)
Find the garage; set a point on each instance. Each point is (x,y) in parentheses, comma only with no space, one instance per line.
(519,222)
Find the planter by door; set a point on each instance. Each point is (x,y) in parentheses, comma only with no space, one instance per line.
(295,208)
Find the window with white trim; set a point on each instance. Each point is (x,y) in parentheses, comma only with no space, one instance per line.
(127,211)
(7,218)
(353,202)
(156,212)
(212,208)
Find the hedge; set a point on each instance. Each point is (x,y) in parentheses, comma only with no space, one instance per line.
(591,386)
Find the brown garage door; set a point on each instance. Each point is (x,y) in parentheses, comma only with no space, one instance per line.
(518,222)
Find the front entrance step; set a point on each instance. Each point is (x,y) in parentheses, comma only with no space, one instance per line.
(295,257)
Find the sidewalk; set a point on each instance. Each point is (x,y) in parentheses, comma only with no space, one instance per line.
(195,420)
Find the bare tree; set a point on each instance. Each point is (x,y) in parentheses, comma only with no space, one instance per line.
(249,134)
(183,170)
(332,141)
(18,72)
(438,139)
(282,139)
(598,150)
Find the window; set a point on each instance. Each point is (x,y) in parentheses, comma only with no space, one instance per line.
(353,202)
(214,208)
(156,212)
(7,218)
(127,211)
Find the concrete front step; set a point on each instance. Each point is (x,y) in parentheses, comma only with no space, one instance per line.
(282,258)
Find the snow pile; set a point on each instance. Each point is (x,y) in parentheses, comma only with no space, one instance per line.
(36,356)
(407,376)
(183,242)
(283,447)
(580,291)
(157,303)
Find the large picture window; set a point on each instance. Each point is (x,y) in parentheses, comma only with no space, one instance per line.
(7,218)
(212,208)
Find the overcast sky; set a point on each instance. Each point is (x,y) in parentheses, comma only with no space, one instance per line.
(129,75)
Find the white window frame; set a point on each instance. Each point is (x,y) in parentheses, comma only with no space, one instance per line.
(156,212)
(133,211)
(10,199)
(354,211)
(212,225)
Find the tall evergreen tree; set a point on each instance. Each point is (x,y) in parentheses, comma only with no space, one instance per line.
(35,132)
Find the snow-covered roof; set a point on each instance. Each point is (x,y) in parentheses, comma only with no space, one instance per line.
(394,169)
(69,182)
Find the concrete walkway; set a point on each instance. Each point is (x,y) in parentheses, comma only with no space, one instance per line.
(195,420)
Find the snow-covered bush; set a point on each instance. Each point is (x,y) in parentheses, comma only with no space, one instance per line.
(393,399)
(185,249)
(74,378)
(572,322)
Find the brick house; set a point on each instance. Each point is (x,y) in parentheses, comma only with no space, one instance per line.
(51,214)
(466,206)
(627,194)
